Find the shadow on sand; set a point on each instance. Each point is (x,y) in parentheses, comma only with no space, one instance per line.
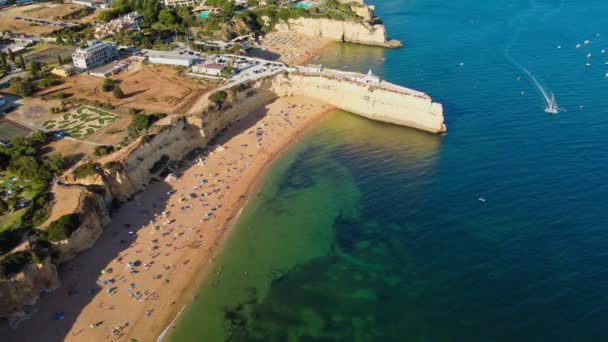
(78,276)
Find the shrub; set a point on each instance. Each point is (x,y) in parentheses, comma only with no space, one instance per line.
(101,151)
(47,82)
(3,206)
(218,97)
(14,263)
(63,227)
(109,165)
(21,86)
(9,239)
(118,93)
(108,85)
(85,170)
(141,122)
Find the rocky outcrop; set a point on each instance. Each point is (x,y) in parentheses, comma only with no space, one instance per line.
(24,288)
(94,216)
(359,32)
(380,102)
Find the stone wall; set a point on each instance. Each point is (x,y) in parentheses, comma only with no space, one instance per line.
(371,101)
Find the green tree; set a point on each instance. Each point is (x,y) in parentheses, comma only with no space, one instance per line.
(59,39)
(85,170)
(13,263)
(141,122)
(103,150)
(35,68)
(28,167)
(3,58)
(3,206)
(166,17)
(21,86)
(59,60)
(38,138)
(21,62)
(118,92)
(108,84)
(11,55)
(218,97)
(62,228)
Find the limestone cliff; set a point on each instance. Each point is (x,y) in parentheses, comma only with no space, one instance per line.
(94,216)
(380,102)
(343,31)
(23,289)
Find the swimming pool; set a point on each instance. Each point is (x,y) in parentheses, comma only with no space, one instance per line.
(301,5)
(203,15)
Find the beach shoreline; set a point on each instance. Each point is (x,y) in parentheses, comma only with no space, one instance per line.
(204,270)
(150,306)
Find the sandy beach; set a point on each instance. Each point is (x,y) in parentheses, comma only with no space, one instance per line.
(151,258)
(291,48)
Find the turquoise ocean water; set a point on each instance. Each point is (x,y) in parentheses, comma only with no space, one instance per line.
(370,232)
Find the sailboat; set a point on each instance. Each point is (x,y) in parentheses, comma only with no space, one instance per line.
(552,107)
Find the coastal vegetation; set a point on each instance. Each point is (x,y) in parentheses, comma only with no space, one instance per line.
(85,170)
(218,97)
(62,228)
(14,263)
(141,122)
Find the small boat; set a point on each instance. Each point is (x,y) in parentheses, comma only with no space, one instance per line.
(552,107)
(588,55)
(481,199)
(603,51)
(559,46)
(587,42)
(587,65)
(578,46)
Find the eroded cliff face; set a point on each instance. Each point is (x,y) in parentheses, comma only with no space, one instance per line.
(131,167)
(342,31)
(24,288)
(94,216)
(370,101)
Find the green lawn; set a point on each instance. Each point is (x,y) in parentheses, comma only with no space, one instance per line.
(22,189)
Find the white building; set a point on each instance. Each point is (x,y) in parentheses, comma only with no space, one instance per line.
(94,3)
(312,68)
(185,61)
(128,21)
(96,54)
(209,69)
(369,78)
(178,3)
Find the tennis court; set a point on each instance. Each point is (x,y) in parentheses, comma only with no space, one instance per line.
(10,129)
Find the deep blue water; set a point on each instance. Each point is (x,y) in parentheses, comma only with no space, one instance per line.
(371,232)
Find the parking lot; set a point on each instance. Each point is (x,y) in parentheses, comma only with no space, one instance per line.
(49,56)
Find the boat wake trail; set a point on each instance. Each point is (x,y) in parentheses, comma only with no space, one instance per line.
(549,98)
(550,103)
